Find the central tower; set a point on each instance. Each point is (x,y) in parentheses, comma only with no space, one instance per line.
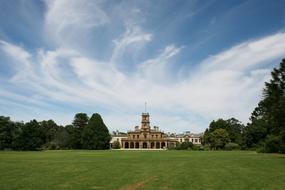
(145,121)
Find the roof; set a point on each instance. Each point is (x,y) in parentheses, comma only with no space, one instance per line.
(191,135)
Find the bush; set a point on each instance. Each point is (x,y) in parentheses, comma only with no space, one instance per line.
(198,147)
(187,146)
(232,146)
(178,146)
(184,146)
(116,145)
(51,146)
(272,144)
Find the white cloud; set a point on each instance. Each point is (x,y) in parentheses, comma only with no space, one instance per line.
(19,56)
(228,84)
(158,68)
(248,55)
(69,20)
(132,40)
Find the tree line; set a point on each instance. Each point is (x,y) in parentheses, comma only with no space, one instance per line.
(83,133)
(266,130)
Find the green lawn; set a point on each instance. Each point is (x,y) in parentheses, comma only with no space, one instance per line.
(141,170)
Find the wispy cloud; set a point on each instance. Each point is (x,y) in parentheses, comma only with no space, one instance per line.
(224,85)
(47,81)
(132,40)
(67,20)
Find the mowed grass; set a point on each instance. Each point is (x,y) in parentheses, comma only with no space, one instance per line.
(141,170)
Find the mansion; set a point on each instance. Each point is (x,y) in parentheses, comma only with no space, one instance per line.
(146,137)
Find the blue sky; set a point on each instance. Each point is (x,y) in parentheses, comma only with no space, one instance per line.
(192,61)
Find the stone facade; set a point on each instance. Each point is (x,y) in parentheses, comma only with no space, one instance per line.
(117,136)
(145,137)
(189,137)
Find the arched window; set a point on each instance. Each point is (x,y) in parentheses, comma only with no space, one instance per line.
(137,145)
(132,145)
(152,145)
(126,145)
(157,145)
(162,144)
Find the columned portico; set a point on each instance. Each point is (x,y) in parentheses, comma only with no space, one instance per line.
(145,137)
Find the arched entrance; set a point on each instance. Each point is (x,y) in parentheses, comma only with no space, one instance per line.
(132,145)
(126,145)
(144,145)
(157,145)
(152,145)
(137,145)
(162,144)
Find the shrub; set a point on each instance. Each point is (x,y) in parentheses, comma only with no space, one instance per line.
(116,145)
(272,144)
(50,146)
(206,147)
(187,146)
(198,147)
(232,146)
(184,146)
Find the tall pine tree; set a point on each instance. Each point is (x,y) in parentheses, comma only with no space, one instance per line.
(96,134)
(75,131)
(271,113)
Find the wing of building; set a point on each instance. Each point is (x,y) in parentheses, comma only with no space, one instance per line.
(146,137)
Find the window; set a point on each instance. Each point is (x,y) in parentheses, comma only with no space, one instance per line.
(133,136)
(138,136)
(196,140)
(180,140)
(156,136)
(145,136)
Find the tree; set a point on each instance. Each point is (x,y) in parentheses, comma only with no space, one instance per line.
(271,144)
(50,129)
(219,138)
(271,111)
(31,136)
(206,137)
(70,141)
(8,131)
(60,140)
(233,126)
(232,146)
(255,133)
(96,134)
(80,121)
